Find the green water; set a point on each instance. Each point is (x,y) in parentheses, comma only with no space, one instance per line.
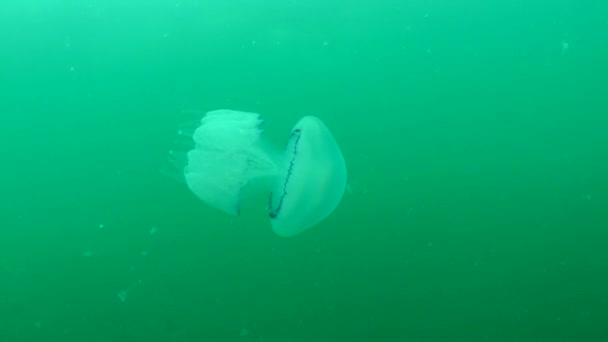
(474,134)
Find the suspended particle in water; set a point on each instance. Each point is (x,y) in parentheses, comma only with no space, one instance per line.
(565,47)
(122,295)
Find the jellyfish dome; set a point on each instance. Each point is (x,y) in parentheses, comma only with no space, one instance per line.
(305,182)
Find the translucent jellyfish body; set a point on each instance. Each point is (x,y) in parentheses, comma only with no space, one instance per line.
(305,181)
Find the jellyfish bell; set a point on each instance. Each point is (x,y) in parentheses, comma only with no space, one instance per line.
(230,159)
(312,180)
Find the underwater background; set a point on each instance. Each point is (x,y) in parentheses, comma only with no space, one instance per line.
(474,132)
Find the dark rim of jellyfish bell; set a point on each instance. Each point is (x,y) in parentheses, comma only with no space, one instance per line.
(292,142)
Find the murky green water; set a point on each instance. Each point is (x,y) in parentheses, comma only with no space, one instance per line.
(475,139)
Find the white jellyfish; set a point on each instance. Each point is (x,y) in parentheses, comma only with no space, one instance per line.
(305,182)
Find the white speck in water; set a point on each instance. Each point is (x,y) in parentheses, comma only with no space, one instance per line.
(325,43)
(122,295)
(37,325)
(87,254)
(101,226)
(153,230)
(349,189)
(244,332)
(588,197)
(430,244)
(144,253)
(565,47)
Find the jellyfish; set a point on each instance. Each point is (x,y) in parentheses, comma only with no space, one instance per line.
(230,159)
